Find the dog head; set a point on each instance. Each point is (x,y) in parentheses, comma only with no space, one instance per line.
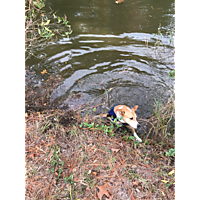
(128,114)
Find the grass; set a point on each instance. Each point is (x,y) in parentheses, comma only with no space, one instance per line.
(161,123)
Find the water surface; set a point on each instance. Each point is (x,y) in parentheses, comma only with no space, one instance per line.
(108,49)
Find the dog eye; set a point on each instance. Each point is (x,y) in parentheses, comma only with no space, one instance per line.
(131,118)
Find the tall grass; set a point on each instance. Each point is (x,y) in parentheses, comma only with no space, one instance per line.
(162,119)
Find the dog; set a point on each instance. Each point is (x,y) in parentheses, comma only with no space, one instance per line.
(125,115)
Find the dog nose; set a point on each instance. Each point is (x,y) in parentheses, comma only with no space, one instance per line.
(138,125)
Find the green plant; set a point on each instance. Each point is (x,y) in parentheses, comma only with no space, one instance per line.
(86,125)
(130,137)
(56,162)
(106,129)
(69,179)
(171,152)
(172,74)
(162,117)
(42,28)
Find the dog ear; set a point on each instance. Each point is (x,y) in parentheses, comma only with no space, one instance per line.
(134,108)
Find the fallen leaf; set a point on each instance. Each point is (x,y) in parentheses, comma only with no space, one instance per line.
(137,190)
(162,193)
(119,1)
(135,183)
(170,173)
(76,179)
(114,150)
(44,71)
(164,181)
(102,191)
(26,114)
(94,173)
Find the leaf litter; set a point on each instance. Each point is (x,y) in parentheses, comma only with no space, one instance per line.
(64,161)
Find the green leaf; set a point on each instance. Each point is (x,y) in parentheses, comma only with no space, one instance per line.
(131,137)
(59,20)
(37,4)
(48,29)
(45,23)
(54,16)
(48,21)
(39,31)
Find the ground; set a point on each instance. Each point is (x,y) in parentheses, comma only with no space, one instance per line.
(69,155)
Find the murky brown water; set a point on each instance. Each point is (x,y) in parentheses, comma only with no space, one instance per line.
(107,49)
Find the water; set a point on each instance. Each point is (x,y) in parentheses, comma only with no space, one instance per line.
(108,49)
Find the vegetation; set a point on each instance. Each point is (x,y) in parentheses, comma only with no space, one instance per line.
(71,156)
(42,28)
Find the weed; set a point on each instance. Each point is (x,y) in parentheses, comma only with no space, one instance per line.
(129,138)
(69,179)
(56,162)
(41,27)
(106,129)
(74,131)
(171,152)
(171,74)
(162,117)
(86,125)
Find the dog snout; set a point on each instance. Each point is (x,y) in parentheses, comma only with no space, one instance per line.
(137,125)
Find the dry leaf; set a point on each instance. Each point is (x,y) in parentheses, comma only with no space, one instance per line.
(170,173)
(137,190)
(135,183)
(164,181)
(102,191)
(76,179)
(119,1)
(162,193)
(114,150)
(44,71)
(26,114)
(56,173)
(94,173)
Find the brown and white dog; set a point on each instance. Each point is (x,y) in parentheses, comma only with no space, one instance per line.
(125,115)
